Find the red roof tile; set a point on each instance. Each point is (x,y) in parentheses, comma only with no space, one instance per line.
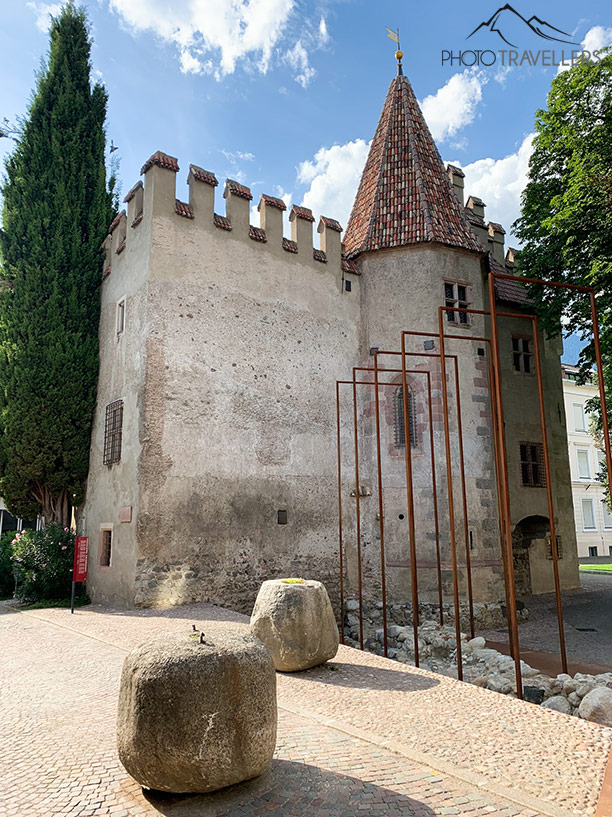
(221,222)
(289,245)
(405,196)
(348,266)
(132,192)
(137,220)
(257,234)
(272,201)
(183,209)
(508,291)
(237,189)
(300,212)
(161,160)
(497,228)
(121,247)
(116,221)
(319,255)
(331,223)
(106,273)
(476,200)
(201,175)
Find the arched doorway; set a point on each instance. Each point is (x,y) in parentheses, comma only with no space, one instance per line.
(523,537)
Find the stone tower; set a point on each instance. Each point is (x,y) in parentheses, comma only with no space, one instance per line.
(213,455)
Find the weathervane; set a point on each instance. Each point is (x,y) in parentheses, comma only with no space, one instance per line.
(394,35)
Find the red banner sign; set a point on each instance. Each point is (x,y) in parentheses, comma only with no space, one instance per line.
(79,571)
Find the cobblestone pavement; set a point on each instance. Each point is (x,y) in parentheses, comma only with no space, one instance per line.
(586,615)
(371,737)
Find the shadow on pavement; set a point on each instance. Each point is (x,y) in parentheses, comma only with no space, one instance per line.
(292,789)
(363,676)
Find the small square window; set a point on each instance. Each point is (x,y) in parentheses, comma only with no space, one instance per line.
(522,357)
(106,542)
(282,517)
(593,551)
(456,297)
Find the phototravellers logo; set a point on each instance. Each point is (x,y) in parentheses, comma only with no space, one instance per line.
(510,27)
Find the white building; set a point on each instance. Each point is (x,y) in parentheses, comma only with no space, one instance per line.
(592,515)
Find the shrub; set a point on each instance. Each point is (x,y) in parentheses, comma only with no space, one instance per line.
(42,562)
(7,579)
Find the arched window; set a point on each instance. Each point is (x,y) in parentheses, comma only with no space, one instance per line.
(400,431)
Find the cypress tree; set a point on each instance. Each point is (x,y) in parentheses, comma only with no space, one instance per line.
(56,212)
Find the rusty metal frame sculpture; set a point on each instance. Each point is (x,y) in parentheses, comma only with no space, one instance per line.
(501,468)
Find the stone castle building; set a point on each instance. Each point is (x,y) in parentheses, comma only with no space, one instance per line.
(213,456)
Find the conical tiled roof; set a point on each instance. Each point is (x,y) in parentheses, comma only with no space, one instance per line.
(405,196)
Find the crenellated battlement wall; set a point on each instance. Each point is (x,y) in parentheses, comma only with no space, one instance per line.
(157,198)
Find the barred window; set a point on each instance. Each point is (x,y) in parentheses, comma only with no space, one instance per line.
(549,553)
(400,431)
(106,542)
(112,432)
(532,465)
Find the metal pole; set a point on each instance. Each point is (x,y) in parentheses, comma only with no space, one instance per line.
(410,501)
(505,528)
(358,512)
(380,505)
(72,597)
(340,537)
(466,531)
(435,499)
(549,495)
(451,503)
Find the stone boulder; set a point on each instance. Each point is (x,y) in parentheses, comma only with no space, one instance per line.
(559,704)
(296,622)
(596,706)
(196,717)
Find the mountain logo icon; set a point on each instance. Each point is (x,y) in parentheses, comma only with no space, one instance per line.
(507,22)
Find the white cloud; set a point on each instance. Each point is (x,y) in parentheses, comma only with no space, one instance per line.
(44,12)
(595,39)
(500,182)
(323,33)
(297,58)
(454,105)
(333,176)
(212,35)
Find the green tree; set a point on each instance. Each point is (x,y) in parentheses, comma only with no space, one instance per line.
(566,218)
(57,208)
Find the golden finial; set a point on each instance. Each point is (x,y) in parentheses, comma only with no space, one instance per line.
(394,35)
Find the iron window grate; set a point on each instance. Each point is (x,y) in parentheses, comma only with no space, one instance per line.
(113,428)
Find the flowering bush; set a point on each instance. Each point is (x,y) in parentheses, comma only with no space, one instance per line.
(42,563)
(7,580)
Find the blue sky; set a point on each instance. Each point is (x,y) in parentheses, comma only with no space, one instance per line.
(285,94)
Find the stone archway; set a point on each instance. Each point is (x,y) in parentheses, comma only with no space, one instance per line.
(523,537)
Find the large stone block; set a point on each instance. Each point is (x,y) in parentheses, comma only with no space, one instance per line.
(295,620)
(195,717)
(596,706)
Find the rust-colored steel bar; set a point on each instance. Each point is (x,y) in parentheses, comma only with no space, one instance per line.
(358,512)
(505,506)
(549,495)
(602,388)
(433,464)
(340,535)
(410,502)
(498,477)
(435,499)
(381,521)
(451,502)
(508,276)
(466,527)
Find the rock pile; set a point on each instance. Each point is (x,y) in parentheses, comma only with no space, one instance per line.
(587,696)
